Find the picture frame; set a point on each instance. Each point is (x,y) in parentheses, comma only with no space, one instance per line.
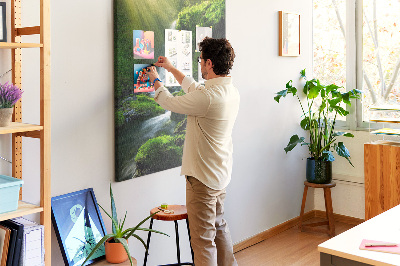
(3,22)
(78,226)
(289,34)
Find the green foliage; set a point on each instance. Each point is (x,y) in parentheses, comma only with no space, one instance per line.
(145,106)
(119,117)
(158,154)
(119,235)
(320,122)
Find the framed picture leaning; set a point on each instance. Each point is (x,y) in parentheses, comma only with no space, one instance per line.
(78,226)
(289,34)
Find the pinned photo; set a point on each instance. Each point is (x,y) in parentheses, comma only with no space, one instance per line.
(143,44)
(141,79)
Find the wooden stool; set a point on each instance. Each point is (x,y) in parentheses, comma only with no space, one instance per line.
(328,207)
(180,213)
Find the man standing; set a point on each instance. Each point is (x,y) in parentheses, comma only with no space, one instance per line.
(207,154)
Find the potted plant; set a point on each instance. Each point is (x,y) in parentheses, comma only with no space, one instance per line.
(324,104)
(116,243)
(9,95)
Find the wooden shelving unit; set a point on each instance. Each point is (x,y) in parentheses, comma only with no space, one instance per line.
(19,129)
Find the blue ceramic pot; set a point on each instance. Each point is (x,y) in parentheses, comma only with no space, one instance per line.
(318,171)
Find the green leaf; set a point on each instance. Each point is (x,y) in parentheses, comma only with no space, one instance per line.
(114,222)
(305,123)
(331,88)
(289,84)
(152,230)
(349,135)
(327,156)
(113,211)
(126,247)
(313,92)
(343,151)
(280,94)
(139,224)
(334,102)
(102,240)
(141,240)
(303,73)
(346,98)
(294,140)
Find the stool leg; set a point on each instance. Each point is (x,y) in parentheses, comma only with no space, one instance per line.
(303,204)
(329,211)
(178,251)
(148,242)
(190,239)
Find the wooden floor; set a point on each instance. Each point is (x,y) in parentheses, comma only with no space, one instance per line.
(290,247)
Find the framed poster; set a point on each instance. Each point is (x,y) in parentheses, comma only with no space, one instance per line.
(289,34)
(149,139)
(3,22)
(78,226)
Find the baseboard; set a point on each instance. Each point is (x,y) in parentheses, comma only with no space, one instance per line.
(289,224)
(271,232)
(340,218)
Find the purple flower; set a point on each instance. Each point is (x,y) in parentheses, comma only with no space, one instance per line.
(9,95)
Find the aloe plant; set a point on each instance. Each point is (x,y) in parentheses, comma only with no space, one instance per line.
(320,121)
(119,234)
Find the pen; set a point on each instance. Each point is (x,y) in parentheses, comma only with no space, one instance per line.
(383,244)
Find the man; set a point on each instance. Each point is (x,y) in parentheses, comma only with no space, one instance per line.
(207,154)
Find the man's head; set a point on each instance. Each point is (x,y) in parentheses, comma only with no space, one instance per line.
(217,56)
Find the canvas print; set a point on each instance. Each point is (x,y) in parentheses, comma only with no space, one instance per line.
(78,225)
(143,44)
(149,139)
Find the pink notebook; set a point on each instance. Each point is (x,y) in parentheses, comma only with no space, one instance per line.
(394,249)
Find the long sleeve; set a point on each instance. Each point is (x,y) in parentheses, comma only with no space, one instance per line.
(195,103)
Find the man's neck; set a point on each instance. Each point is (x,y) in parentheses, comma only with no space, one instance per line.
(213,76)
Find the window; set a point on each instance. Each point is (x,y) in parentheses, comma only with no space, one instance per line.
(363,53)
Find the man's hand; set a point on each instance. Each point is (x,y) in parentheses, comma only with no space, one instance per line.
(152,72)
(165,63)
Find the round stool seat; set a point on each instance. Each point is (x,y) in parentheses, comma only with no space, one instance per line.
(331,184)
(180,213)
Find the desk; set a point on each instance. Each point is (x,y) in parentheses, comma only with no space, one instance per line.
(344,248)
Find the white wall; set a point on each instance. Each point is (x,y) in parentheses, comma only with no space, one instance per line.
(267,184)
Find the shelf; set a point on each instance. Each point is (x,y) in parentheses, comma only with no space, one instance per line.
(23,209)
(17,127)
(10,45)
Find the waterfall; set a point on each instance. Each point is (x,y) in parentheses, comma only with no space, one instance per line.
(151,126)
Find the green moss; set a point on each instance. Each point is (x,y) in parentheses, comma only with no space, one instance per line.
(158,154)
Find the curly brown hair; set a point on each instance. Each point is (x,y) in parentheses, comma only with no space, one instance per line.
(220,52)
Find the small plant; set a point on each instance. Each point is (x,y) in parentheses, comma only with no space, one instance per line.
(320,121)
(119,235)
(9,95)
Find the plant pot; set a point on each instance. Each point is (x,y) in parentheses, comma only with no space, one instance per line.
(319,172)
(5,116)
(115,252)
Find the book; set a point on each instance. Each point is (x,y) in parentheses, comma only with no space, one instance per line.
(4,242)
(11,244)
(18,229)
(32,252)
(386,249)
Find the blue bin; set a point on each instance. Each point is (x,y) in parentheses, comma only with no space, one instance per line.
(9,193)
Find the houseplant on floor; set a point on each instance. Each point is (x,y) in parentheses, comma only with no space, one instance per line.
(9,95)
(116,243)
(324,105)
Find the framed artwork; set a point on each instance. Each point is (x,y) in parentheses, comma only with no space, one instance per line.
(149,139)
(289,34)
(3,28)
(78,226)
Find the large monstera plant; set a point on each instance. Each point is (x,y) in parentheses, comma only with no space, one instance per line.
(324,104)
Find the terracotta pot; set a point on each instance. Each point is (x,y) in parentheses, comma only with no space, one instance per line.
(115,252)
(5,116)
